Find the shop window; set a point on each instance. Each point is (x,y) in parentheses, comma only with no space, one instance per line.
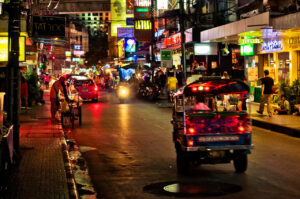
(284,66)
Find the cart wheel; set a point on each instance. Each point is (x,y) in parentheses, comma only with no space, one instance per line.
(79,116)
(182,163)
(240,162)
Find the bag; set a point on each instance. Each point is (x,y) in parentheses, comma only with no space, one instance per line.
(275,89)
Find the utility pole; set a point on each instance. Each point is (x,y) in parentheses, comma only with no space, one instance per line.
(152,40)
(13,69)
(182,30)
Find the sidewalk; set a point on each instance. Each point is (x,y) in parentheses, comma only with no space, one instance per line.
(286,124)
(41,172)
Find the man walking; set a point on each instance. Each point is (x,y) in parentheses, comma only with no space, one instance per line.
(267,83)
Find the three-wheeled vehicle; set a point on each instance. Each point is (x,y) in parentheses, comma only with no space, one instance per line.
(210,125)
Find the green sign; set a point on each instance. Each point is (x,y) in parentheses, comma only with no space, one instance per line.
(247,49)
(166,55)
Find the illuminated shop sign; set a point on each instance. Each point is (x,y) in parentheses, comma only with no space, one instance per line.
(68,53)
(121,49)
(129,6)
(142,25)
(247,49)
(77,47)
(78,52)
(4,48)
(130,45)
(142,13)
(162,4)
(77,59)
(251,41)
(271,46)
(159,33)
(206,49)
(142,3)
(125,32)
(172,40)
(129,21)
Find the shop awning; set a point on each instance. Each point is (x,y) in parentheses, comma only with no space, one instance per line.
(250,24)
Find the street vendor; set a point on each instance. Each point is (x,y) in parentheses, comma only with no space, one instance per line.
(58,87)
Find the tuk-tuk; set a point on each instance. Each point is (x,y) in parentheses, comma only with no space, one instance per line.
(211,124)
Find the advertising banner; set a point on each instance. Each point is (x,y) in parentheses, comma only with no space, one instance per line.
(51,26)
(118,16)
(129,6)
(125,32)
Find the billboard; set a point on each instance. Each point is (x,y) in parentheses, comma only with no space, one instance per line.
(4,48)
(130,45)
(121,50)
(118,16)
(48,26)
(125,32)
(129,6)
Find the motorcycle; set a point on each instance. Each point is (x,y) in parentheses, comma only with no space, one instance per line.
(123,93)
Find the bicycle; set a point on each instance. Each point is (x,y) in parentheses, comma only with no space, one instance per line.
(70,114)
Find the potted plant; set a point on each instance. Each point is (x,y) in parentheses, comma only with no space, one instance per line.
(33,88)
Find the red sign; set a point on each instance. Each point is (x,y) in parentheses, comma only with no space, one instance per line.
(174,39)
(129,6)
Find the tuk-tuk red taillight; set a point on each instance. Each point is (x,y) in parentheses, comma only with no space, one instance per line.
(191,130)
(190,143)
(241,129)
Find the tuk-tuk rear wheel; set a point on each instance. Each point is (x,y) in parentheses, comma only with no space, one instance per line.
(240,162)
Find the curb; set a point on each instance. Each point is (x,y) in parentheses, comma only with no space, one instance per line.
(73,193)
(276,128)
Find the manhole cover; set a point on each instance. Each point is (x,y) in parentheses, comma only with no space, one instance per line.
(184,189)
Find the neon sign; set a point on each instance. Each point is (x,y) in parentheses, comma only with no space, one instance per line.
(142,25)
(130,45)
(142,3)
(174,39)
(271,46)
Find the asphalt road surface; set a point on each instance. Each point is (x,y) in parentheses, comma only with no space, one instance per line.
(130,154)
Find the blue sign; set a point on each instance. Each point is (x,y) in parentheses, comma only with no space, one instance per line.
(271,46)
(130,45)
(129,21)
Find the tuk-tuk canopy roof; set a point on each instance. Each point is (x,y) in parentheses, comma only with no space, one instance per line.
(216,87)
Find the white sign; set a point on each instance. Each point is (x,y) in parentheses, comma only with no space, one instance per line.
(78,52)
(162,4)
(271,46)
(206,49)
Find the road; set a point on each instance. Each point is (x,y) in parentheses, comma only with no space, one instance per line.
(130,155)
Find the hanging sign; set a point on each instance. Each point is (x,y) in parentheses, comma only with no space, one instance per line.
(251,41)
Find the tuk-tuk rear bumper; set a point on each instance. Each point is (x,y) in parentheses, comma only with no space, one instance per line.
(219,148)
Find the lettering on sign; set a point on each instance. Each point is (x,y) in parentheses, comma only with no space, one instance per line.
(142,25)
(293,42)
(174,39)
(271,46)
(48,26)
(142,3)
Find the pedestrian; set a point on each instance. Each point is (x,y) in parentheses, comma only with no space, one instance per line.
(172,85)
(267,83)
(24,92)
(179,75)
(47,80)
(58,87)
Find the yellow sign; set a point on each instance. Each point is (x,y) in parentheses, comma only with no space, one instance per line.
(142,25)
(251,41)
(4,48)
(118,16)
(121,48)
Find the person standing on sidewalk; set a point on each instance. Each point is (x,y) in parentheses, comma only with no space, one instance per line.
(267,91)
(59,85)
